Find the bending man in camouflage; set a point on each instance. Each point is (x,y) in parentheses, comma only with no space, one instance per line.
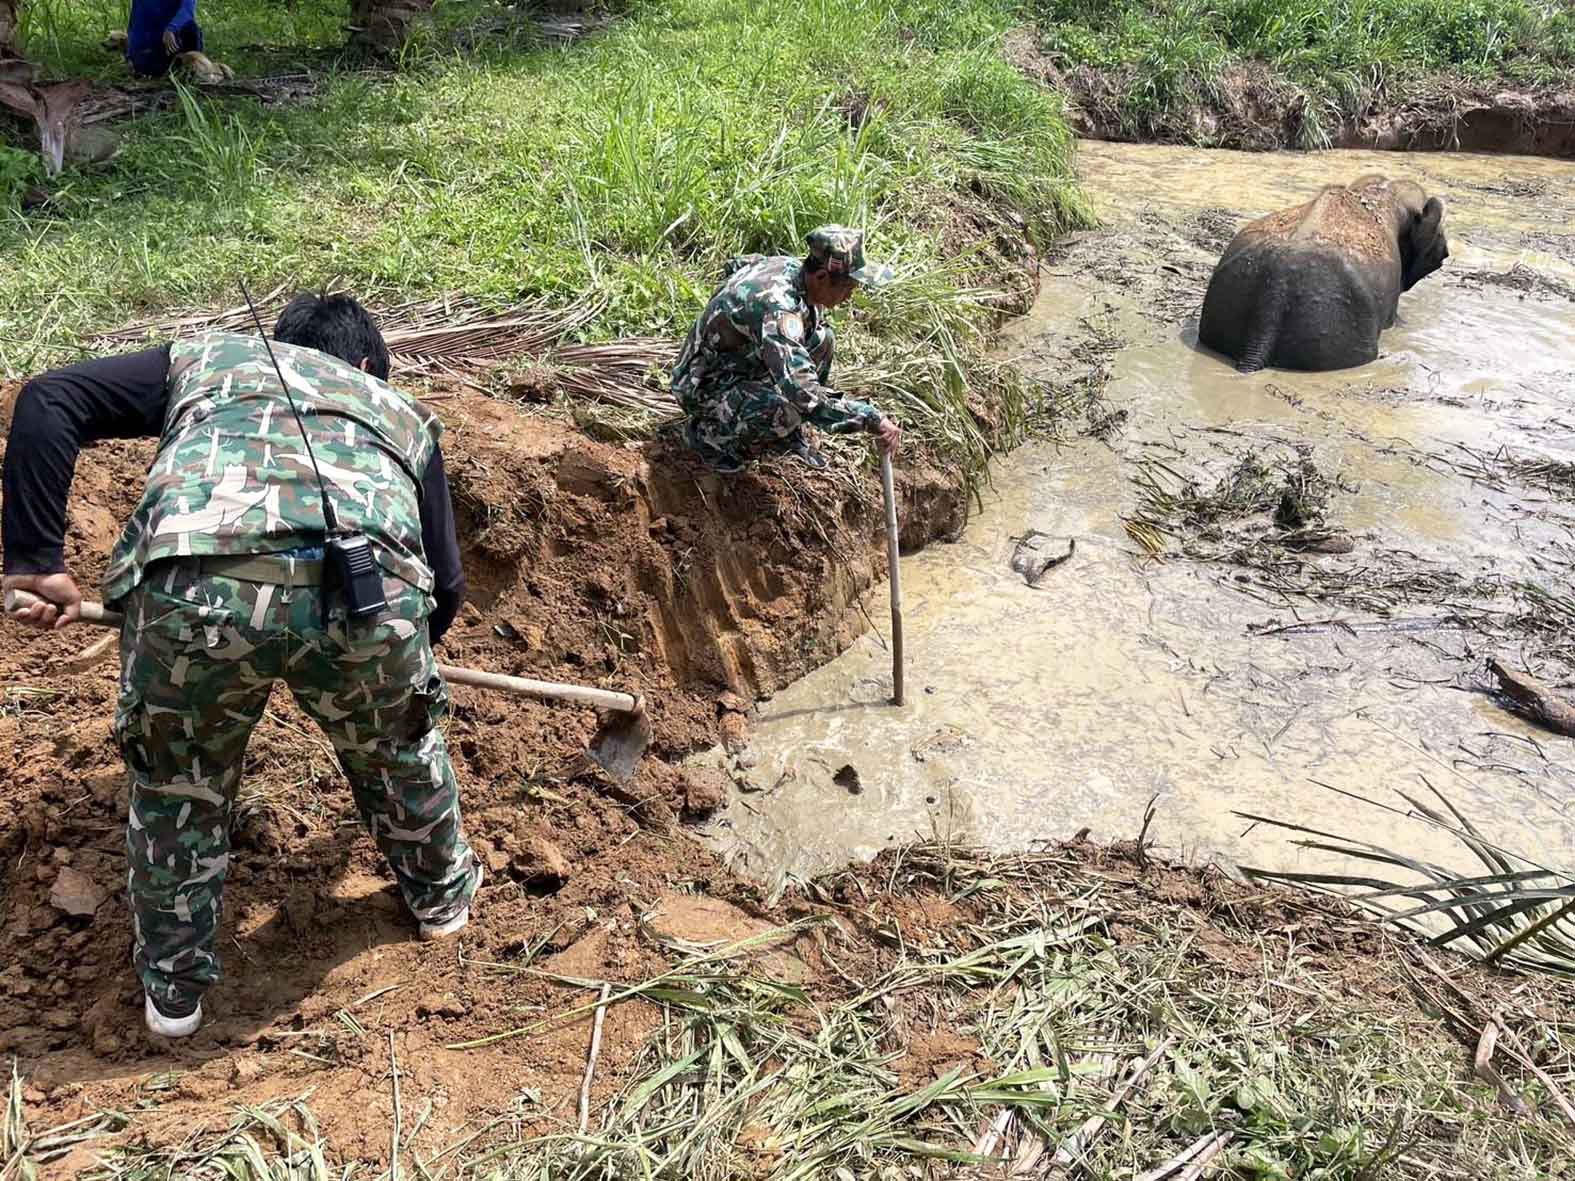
(220,574)
(757,362)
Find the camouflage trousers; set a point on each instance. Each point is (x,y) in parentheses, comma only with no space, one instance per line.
(731,420)
(199,656)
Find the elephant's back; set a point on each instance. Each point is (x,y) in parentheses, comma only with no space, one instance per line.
(1348,226)
(1280,226)
(1338,222)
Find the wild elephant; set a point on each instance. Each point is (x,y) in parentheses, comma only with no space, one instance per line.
(1312,287)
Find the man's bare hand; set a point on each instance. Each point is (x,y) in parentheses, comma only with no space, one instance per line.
(887,436)
(62,601)
(171,42)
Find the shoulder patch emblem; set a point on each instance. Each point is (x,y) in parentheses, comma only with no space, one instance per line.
(791,325)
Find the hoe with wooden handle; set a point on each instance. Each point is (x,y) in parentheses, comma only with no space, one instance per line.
(617,747)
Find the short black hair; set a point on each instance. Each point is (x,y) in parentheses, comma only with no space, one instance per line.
(336,325)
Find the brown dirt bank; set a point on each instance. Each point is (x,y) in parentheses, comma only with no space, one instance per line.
(1251,108)
(1311,969)
(626,566)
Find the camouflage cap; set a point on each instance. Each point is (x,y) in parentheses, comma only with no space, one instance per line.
(842,250)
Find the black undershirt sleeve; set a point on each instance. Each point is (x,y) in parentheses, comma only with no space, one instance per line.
(56,414)
(441,543)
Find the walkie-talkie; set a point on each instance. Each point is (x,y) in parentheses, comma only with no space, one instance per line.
(353,572)
(350,571)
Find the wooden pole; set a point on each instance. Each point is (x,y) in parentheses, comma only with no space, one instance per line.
(894,575)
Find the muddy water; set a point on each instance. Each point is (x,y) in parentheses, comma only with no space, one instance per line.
(1035,713)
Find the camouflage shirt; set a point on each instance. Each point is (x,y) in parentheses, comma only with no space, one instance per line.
(232,474)
(756,329)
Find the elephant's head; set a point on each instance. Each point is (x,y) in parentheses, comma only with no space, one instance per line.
(1423,247)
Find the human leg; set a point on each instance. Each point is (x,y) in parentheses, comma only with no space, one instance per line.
(375,691)
(195,678)
(744,420)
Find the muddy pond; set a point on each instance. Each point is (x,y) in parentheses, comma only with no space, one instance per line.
(1199,685)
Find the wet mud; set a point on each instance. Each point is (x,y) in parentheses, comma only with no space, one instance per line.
(1216,687)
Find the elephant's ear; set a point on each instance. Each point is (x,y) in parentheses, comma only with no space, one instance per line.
(1423,250)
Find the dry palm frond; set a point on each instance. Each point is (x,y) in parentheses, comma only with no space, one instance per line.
(425,336)
(473,340)
(236,319)
(631,373)
(623,385)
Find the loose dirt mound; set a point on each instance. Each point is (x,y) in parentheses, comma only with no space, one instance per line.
(620,566)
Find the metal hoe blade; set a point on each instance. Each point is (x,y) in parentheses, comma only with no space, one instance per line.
(620,744)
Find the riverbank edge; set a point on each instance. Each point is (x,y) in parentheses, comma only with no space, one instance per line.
(1251,107)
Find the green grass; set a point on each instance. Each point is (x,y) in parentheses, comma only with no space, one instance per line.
(625,167)
(1172,52)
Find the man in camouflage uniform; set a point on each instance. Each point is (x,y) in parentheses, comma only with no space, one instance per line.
(757,362)
(220,574)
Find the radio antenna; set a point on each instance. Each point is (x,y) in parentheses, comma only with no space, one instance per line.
(330,520)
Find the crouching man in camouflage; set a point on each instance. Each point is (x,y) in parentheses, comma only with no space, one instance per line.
(757,362)
(220,573)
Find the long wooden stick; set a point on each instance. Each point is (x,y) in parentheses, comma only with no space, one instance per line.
(628,703)
(625,703)
(393,1067)
(590,1061)
(895,575)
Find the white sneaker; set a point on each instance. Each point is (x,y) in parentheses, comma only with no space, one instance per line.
(164,1026)
(458,922)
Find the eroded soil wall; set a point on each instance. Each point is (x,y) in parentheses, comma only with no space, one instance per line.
(1252,108)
